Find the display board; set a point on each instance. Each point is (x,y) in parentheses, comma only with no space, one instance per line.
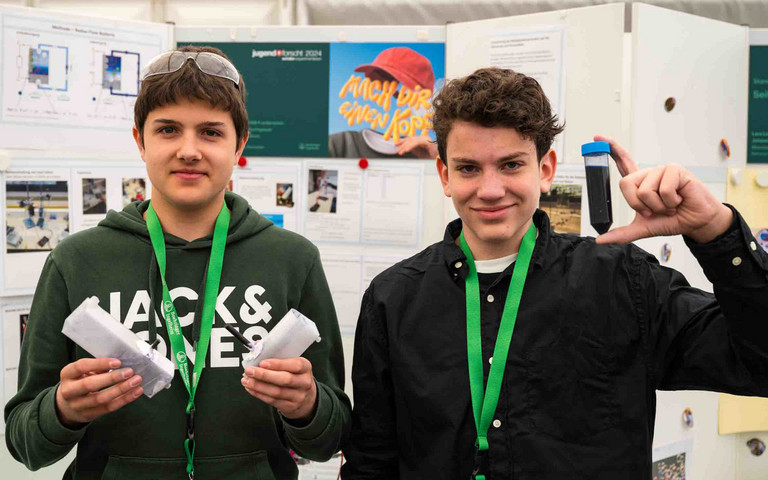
(354,97)
(689,82)
(757,146)
(69,82)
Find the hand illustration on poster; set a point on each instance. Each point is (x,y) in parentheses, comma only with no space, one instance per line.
(381,98)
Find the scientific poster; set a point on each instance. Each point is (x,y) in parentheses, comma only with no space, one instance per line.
(37,216)
(392,204)
(310,470)
(95,191)
(344,273)
(347,100)
(757,141)
(70,80)
(333,201)
(273,189)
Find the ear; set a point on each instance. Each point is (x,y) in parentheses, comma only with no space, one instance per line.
(442,171)
(547,168)
(139,142)
(241,147)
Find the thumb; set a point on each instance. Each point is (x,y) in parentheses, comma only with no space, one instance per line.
(621,235)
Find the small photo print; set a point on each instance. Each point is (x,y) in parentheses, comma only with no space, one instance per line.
(94,196)
(670,468)
(563,206)
(284,195)
(36,215)
(322,191)
(134,190)
(22,326)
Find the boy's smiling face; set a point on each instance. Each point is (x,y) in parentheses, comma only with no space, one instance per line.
(190,150)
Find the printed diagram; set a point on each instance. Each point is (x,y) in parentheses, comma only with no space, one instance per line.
(115,82)
(42,78)
(37,215)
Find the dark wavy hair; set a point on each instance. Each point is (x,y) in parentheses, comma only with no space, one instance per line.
(496,97)
(190,83)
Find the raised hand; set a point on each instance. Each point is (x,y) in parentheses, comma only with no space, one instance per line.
(418,145)
(88,390)
(668,200)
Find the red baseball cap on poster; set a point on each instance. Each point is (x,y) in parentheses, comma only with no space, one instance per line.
(404,65)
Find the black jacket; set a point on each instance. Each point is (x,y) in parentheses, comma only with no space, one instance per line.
(600,329)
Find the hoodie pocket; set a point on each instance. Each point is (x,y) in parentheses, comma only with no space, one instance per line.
(250,466)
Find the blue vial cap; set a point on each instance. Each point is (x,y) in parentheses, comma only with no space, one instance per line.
(595,148)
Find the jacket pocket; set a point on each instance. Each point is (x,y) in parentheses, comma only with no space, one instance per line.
(251,466)
(571,390)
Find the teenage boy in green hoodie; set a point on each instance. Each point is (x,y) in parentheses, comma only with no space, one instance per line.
(190,127)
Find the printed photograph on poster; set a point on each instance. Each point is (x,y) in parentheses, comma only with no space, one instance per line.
(134,190)
(322,191)
(380,95)
(566,202)
(38,217)
(563,206)
(672,461)
(272,188)
(22,326)
(333,212)
(94,196)
(104,189)
(284,195)
(37,214)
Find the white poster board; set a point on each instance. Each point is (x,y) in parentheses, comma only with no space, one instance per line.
(69,82)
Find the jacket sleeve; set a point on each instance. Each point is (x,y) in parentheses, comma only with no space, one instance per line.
(372,450)
(711,342)
(33,432)
(323,436)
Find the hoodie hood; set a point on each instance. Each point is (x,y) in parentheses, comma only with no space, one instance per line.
(244,222)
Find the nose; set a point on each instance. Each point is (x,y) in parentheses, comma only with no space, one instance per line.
(491,187)
(189,150)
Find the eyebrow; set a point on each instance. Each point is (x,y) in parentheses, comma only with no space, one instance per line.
(513,156)
(167,121)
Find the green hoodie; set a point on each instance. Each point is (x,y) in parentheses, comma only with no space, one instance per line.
(266,272)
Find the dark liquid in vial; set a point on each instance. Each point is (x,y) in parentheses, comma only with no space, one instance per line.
(599,191)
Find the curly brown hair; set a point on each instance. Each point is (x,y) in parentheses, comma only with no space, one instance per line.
(190,83)
(496,97)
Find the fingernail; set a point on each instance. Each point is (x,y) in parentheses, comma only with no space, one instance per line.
(114,364)
(137,393)
(265,364)
(135,381)
(244,380)
(127,373)
(249,371)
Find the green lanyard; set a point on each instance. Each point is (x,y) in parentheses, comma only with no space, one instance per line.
(172,318)
(484,401)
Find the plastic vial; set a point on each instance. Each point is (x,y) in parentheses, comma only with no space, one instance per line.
(596,157)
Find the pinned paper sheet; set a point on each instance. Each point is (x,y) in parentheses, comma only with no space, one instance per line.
(742,414)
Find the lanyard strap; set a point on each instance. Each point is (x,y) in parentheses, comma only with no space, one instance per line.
(172,318)
(484,401)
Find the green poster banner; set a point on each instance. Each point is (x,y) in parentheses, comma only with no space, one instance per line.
(757,141)
(286,93)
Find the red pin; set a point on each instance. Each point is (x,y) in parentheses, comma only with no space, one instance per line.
(242,162)
(363,163)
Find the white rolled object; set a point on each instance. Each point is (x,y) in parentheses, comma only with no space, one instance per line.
(291,337)
(99,334)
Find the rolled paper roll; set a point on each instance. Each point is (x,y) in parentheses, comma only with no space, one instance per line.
(291,337)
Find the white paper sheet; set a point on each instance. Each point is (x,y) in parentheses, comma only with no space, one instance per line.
(95,191)
(272,187)
(310,470)
(14,322)
(333,201)
(392,204)
(343,273)
(37,213)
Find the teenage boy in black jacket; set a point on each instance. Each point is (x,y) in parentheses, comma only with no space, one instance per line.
(600,327)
